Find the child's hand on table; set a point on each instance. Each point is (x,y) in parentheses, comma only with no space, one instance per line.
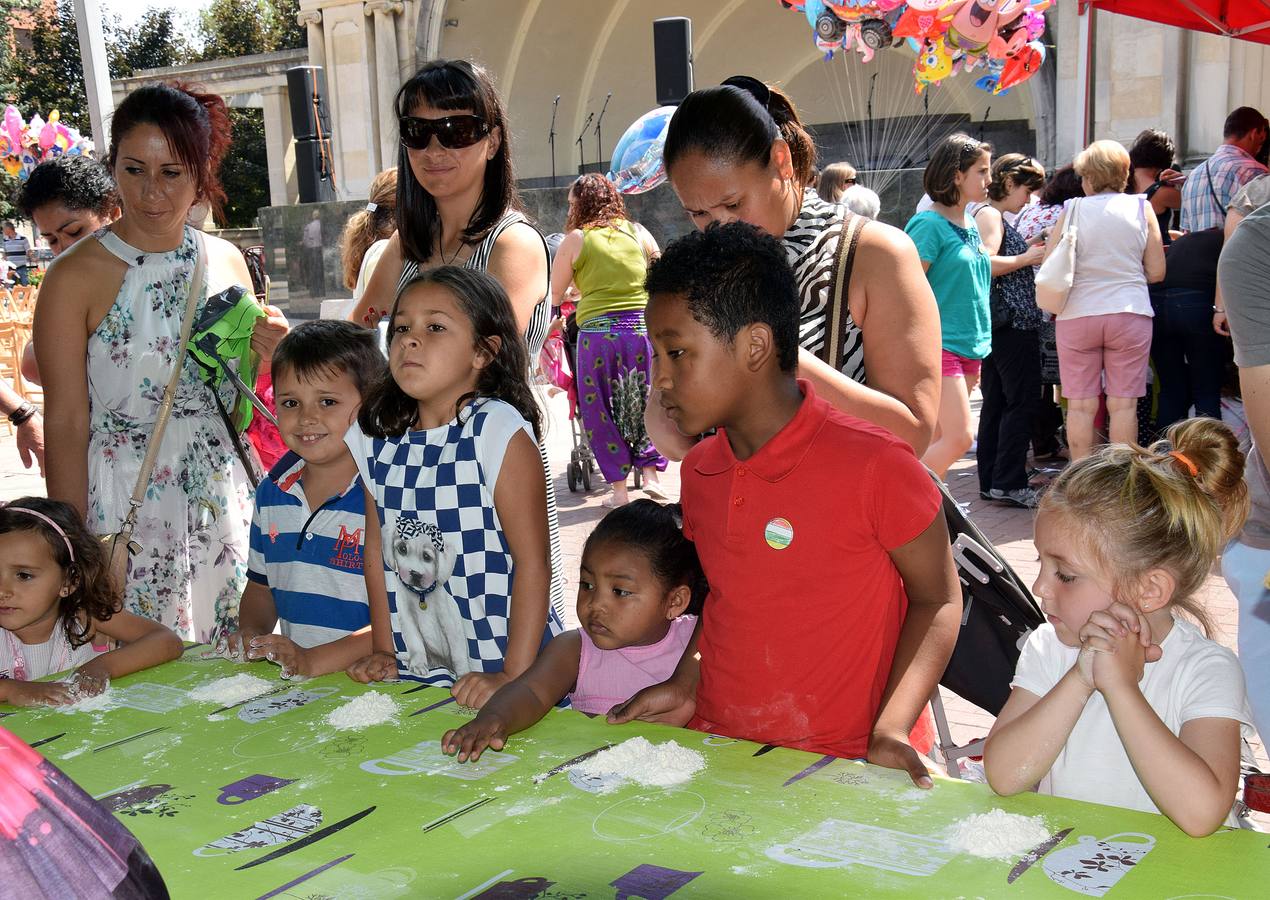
(281,650)
(893,751)
(471,740)
(475,688)
(378,666)
(233,646)
(38,693)
(668,703)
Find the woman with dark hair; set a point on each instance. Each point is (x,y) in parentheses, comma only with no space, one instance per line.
(959,271)
(457,204)
(1012,371)
(69,198)
(107,339)
(1151,172)
(606,256)
(869,329)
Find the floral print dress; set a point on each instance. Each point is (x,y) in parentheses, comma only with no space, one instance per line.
(195,523)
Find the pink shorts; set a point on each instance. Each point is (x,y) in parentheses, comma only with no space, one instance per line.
(955,366)
(1118,344)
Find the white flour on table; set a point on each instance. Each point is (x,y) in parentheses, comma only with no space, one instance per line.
(997,834)
(637,760)
(231,690)
(371,708)
(90,703)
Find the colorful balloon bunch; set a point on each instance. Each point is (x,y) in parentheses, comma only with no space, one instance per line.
(1001,37)
(24,145)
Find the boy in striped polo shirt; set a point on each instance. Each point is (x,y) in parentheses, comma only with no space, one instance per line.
(307,535)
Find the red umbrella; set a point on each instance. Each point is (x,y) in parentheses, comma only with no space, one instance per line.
(1247,20)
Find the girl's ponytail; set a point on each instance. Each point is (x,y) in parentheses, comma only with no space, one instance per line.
(376,222)
(1213,451)
(802,148)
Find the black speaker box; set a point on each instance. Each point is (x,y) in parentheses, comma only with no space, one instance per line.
(306,89)
(315,170)
(672,59)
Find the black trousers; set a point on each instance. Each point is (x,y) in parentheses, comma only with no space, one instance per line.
(1011,386)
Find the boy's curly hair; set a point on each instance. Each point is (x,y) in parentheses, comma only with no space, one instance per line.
(94,593)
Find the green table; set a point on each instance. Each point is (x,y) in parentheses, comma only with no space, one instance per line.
(263,800)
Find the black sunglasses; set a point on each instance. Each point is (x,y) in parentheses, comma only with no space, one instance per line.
(454,132)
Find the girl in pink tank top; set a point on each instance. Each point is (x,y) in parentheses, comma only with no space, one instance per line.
(641,586)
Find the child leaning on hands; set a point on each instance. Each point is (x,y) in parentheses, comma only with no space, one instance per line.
(305,563)
(1119,699)
(59,607)
(833,605)
(639,578)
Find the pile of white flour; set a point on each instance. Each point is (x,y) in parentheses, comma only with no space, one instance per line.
(997,835)
(231,690)
(371,708)
(637,760)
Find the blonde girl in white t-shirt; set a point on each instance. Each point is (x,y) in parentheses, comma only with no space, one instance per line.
(1118,699)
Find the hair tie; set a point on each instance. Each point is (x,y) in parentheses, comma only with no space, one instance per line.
(752,86)
(1190,466)
(371,207)
(50,523)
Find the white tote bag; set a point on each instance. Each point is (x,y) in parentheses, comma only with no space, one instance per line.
(1054,280)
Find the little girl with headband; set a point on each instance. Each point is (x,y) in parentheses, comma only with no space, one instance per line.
(1122,698)
(59,604)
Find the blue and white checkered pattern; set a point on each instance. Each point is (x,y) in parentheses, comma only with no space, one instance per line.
(1213,184)
(442,476)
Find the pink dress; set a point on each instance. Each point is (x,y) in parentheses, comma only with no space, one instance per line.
(609,677)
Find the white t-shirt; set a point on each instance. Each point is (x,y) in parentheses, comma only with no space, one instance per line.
(369,261)
(1111,237)
(1196,678)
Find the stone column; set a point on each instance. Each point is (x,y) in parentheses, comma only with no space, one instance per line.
(312,20)
(387,78)
(278,144)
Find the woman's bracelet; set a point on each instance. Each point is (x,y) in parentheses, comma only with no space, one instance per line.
(23,414)
(1218,309)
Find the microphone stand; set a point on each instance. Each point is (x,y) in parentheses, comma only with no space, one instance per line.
(599,151)
(551,138)
(581,152)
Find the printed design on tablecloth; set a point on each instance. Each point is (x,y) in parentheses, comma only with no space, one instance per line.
(148,697)
(162,806)
(266,707)
(648,815)
(1092,866)
(133,795)
(729,826)
(282,828)
(650,882)
(343,748)
(837,843)
(426,758)
(432,627)
(250,788)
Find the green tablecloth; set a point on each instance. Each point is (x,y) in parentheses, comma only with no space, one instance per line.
(264,800)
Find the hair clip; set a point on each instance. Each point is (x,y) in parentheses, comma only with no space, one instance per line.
(371,207)
(1190,466)
(676,513)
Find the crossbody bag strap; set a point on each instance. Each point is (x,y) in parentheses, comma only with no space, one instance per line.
(169,392)
(1208,171)
(844,262)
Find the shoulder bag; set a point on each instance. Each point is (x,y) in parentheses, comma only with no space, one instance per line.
(844,262)
(1054,280)
(120,544)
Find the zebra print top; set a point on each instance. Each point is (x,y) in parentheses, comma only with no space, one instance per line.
(535,336)
(810,245)
(540,321)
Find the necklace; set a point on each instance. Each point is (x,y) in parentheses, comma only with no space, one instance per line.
(454,256)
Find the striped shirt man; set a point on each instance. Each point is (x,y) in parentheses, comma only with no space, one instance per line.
(311,560)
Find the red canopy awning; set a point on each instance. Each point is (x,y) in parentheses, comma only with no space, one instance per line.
(1247,20)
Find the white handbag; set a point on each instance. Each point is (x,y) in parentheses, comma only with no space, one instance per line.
(1054,280)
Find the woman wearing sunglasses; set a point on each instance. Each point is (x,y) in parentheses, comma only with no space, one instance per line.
(739,152)
(457,204)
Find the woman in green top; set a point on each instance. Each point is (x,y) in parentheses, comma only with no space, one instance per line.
(605,255)
(960,273)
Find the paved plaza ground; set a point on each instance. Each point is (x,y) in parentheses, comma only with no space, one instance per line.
(1009,528)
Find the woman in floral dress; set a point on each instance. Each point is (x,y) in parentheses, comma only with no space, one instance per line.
(107,333)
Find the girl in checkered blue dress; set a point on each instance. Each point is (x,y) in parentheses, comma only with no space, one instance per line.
(446,446)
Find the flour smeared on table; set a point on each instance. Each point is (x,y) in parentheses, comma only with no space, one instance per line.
(371,708)
(997,835)
(231,690)
(637,760)
(89,702)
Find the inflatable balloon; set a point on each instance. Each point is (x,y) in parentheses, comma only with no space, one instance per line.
(637,163)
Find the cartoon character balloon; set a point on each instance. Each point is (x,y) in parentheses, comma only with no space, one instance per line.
(24,145)
(637,164)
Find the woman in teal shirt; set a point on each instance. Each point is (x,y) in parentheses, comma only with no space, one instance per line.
(960,274)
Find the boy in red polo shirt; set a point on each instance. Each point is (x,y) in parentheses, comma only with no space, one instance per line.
(833,604)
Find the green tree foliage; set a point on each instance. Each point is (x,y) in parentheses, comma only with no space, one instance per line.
(50,75)
(231,28)
(155,42)
(244,172)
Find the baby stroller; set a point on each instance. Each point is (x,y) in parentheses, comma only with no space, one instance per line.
(998,614)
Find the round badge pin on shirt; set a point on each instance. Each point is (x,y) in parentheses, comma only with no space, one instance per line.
(778,533)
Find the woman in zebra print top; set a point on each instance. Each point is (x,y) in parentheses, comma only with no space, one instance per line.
(457,204)
(740,152)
